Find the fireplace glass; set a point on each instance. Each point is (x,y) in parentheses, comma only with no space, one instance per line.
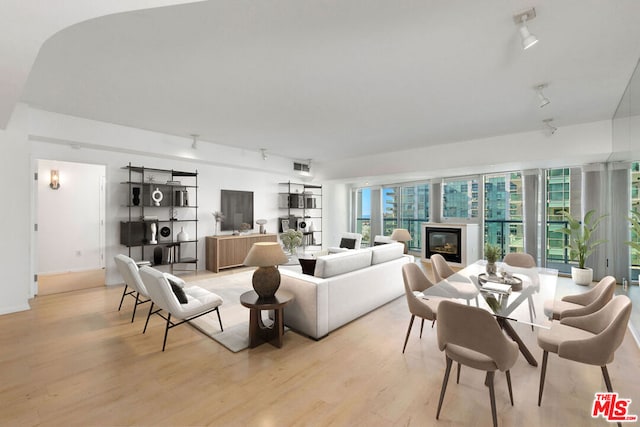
(446,242)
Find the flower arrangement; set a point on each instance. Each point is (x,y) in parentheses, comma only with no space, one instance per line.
(291,239)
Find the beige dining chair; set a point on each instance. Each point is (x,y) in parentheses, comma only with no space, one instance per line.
(442,270)
(471,336)
(591,339)
(415,281)
(583,303)
(523,260)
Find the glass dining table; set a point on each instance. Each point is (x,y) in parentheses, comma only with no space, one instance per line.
(514,294)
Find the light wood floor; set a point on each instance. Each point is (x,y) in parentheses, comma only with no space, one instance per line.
(74,360)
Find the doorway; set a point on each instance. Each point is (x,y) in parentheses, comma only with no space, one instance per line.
(70,236)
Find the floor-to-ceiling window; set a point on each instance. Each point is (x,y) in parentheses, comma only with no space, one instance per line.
(503,214)
(406,206)
(363,214)
(635,205)
(562,194)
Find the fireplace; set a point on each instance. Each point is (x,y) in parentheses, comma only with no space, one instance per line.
(458,243)
(446,242)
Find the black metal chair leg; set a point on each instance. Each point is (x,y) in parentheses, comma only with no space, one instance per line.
(413,316)
(508,374)
(444,386)
(492,397)
(421,327)
(148,316)
(135,306)
(433,323)
(124,292)
(219,320)
(458,376)
(166,331)
(543,373)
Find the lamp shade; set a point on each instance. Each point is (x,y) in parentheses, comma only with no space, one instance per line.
(401,235)
(265,254)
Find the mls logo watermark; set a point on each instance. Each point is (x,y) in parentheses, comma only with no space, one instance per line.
(612,408)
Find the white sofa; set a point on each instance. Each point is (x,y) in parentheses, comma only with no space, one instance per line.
(344,287)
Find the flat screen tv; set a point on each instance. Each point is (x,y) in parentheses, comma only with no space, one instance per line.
(237,208)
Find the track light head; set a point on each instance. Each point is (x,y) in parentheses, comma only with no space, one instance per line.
(552,129)
(194,144)
(543,99)
(263,151)
(521,19)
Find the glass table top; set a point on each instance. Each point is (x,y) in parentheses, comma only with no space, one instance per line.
(515,293)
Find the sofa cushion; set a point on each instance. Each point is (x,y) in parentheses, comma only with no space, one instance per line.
(348,243)
(384,253)
(344,262)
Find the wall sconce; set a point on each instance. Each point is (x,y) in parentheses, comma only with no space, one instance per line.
(54,182)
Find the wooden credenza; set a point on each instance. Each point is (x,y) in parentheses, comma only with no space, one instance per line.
(230,251)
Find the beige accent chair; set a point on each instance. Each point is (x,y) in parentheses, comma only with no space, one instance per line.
(442,270)
(591,339)
(471,336)
(584,303)
(199,301)
(415,281)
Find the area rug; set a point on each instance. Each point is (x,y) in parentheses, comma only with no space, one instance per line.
(235,317)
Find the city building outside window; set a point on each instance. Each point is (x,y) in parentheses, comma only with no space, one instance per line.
(460,198)
(503,214)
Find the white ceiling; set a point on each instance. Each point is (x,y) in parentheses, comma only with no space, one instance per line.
(332,79)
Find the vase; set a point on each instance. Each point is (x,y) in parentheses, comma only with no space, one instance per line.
(136,196)
(491,268)
(183,236)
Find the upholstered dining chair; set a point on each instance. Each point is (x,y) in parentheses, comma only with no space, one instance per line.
(415,281)
(194,301)
(591,339)
(583,303)
(471,336)
(523,260)
(442,270)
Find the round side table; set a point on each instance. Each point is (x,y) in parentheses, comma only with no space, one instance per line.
(260,333)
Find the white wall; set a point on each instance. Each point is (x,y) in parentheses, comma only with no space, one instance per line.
(55,136)
(69,234)
(15,255)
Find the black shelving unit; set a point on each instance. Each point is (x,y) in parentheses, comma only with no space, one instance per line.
(168,199)
(300,207)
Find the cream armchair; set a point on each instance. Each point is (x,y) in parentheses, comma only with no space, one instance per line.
(347,241)
(196,301)
(133,285)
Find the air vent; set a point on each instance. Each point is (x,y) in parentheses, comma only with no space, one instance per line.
(301,167)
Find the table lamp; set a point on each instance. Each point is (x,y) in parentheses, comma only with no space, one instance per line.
(265,256)
(401,235)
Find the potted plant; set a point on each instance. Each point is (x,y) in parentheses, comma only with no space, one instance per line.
(491,253)
(291,239)
(581,243)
